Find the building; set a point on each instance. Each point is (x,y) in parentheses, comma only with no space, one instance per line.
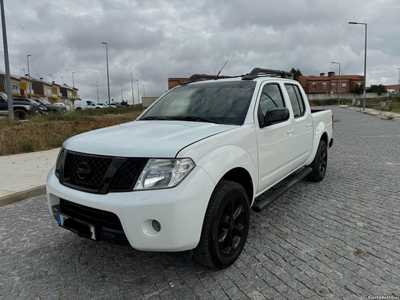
(330,84)
(393,89)
(40,89)
(173,82)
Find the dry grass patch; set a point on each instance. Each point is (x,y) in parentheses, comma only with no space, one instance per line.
(51,131)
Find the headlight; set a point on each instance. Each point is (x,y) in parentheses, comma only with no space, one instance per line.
(60,161)
(164,173)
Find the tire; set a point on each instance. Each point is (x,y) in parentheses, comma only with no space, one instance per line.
(319,163)
(20,114)
(225,228)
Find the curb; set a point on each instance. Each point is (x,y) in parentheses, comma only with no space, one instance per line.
(18,196)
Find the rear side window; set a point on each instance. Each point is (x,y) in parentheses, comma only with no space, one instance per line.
(296,100)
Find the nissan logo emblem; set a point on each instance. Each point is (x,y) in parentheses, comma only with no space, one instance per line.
(83,170)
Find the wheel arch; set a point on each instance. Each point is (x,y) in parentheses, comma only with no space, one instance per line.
(242,177)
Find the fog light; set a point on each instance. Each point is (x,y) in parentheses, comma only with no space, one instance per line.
(156,225)
(152,228)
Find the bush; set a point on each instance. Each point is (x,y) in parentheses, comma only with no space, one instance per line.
(394,105)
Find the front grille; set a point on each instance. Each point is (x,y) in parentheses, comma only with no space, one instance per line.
(100,174)
(127,175)
(98,168)
(97,217)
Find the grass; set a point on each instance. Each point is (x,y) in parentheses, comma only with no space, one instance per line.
(50,131)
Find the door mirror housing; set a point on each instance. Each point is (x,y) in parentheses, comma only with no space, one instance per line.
(276,115)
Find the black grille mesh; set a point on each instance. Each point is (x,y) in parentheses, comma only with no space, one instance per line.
(128,174)
(98,169)
(104,174)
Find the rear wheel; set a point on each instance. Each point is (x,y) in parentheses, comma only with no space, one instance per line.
(225,227)
(319,163)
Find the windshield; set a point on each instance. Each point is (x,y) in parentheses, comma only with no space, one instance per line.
(4,95)
(44,101)
(217,102)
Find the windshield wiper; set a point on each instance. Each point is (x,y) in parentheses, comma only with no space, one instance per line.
(193,118)
(153,118)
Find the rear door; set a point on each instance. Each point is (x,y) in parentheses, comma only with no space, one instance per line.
(275,142)
(302,125)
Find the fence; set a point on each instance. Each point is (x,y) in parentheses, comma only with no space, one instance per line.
(344,96)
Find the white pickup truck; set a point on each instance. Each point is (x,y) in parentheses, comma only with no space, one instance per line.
(184,175)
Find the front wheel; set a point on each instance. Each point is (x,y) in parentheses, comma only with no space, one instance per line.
(225,227)
(319,163)
(20,114)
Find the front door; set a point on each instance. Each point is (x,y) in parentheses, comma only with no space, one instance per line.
(275,142)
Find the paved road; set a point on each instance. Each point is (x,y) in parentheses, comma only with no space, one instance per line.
(338,239)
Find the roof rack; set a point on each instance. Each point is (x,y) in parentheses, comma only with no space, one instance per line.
(257,72)
(195,77)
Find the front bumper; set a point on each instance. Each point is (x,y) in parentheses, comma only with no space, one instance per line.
(180,211)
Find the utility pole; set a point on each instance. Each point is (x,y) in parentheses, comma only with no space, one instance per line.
(133,99)
(97,85)
(398,88)
(73,85)
(338,88)
(7,63)
(108,74)
(138,97)
(29,77)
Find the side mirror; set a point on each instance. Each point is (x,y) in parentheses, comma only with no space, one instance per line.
(276,115)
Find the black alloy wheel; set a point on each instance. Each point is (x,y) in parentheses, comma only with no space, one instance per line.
(225,227)
(320,163)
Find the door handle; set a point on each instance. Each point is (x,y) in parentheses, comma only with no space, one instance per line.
(308,125)
(290,131)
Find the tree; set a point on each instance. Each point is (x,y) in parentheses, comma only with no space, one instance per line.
(358,89)
(379,89)
(296,73)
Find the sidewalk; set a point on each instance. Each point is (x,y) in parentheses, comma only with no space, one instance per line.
(24,175)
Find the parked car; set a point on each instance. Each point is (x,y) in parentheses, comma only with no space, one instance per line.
(22,109)
(103,105)
(41,108)
(52,107)
(184,175)
(86,104)
(60,104)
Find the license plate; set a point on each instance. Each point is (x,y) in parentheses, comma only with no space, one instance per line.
(80,227)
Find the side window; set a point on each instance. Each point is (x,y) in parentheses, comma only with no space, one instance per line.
(271,97)
(296,100)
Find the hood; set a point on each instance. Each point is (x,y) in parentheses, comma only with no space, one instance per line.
(144,138)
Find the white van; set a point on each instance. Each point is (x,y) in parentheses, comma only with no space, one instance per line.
(86,104)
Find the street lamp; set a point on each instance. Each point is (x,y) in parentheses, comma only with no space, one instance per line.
(97,85)
(62,79)
(73,85)
(133,100)
(138,97)
(122,97)
(398,88)
(365,58)
(144,92)
(29,76)
(338,92)
(108,74)
(6,62)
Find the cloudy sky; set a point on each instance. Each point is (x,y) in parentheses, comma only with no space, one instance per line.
(156,39)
